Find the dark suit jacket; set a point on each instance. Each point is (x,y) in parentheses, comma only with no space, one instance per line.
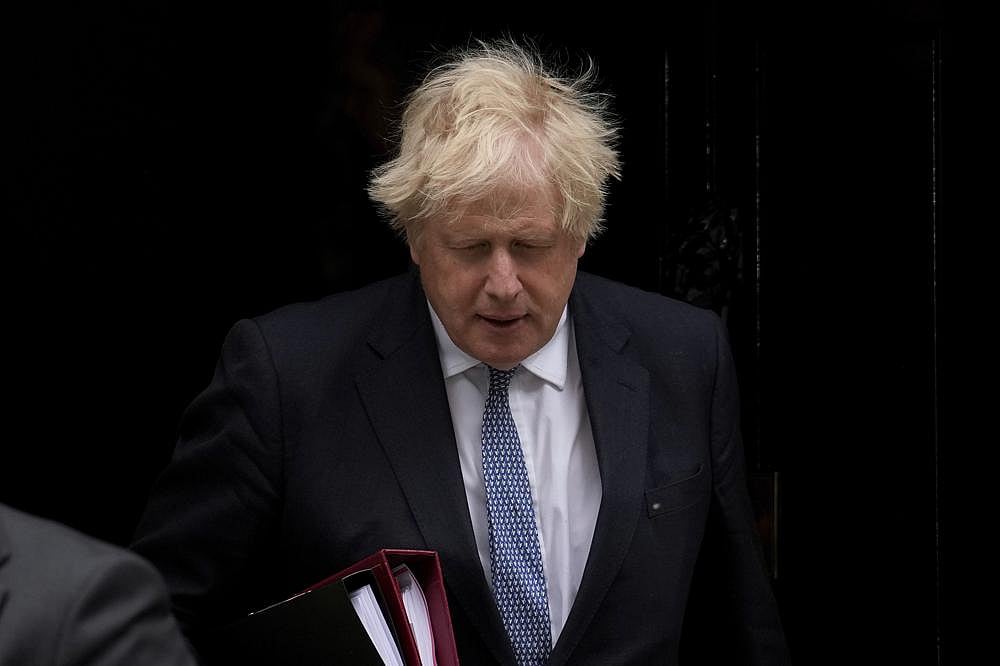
(66,599)
(326,435)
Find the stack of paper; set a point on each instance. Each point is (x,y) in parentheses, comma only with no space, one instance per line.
(416,611)
(367,608)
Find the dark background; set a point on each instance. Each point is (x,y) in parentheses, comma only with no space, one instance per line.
(173,167)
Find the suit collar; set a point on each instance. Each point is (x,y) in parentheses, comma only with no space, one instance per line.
(402,319)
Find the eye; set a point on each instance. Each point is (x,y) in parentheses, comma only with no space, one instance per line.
(530,245)
(471,246)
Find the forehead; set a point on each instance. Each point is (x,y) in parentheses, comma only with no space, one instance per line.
(525,227)
(504,209)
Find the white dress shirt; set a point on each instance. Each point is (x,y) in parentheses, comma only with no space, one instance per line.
(547,402)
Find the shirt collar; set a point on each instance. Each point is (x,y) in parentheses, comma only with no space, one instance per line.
(548,363)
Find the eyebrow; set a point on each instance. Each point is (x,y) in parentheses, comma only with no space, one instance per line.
(536,237)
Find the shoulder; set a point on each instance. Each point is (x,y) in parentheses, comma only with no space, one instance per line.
(351,308)
(28,534)
(328,332)
(51,565)
(669,338)
(341,315)
(646,314)
(77,599)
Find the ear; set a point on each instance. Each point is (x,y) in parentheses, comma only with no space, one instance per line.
(583,248)
(413,241)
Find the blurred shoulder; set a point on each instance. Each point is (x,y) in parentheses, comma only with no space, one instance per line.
(27,535)
(49,570)
(67,597)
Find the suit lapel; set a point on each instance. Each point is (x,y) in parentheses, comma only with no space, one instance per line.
(402,388)
(617,394)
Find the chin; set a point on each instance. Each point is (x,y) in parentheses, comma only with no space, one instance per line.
(506,360)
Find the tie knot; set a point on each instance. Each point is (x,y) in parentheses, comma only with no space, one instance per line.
(500,379)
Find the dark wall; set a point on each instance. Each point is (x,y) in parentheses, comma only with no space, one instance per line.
(849,330)
(175,168)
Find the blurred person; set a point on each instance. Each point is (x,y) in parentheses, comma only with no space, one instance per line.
(66,599)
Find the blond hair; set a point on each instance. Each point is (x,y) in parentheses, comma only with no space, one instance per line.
(492,126)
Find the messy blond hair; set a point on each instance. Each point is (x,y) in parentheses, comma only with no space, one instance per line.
(490,127)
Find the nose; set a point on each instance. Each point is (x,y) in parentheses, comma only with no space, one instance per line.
(502,281)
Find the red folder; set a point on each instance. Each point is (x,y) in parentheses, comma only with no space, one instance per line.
(427,569)
(319,626)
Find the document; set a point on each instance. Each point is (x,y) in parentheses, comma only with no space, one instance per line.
(366,606)
(417,613)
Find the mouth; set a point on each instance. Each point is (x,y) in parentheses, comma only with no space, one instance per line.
(502,322)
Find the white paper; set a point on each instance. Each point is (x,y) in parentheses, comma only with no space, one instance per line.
(415,604)
(367,608)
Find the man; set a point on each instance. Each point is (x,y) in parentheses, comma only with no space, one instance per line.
(561,441)
(67,599)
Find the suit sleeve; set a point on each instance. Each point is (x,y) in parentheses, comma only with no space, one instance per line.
(120,614)
(212,513)
(749,585)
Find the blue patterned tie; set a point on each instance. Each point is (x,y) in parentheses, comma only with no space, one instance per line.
(516,558)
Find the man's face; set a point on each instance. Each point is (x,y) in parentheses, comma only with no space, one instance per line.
(499,286)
